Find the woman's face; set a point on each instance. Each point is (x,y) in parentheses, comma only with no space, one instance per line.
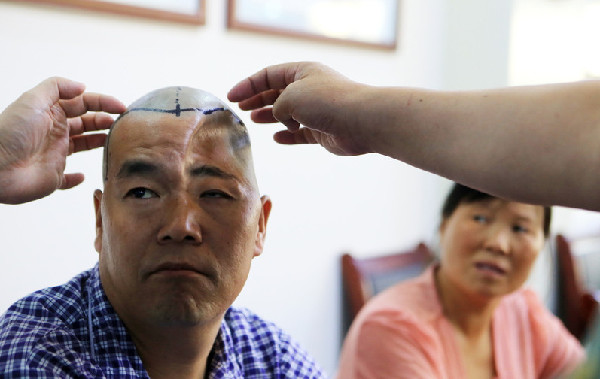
(488,247)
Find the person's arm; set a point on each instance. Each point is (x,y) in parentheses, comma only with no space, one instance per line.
(40,129)
(537,144)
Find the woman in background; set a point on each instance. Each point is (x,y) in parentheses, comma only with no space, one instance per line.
(467,316)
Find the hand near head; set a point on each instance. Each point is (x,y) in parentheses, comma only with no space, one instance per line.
(311,95)
(40,129)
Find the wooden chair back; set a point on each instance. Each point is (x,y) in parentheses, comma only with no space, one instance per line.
(576,306)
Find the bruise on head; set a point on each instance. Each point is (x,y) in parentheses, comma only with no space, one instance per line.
(222,126)
(239,140)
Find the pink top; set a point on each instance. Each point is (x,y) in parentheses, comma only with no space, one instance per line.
(402,333)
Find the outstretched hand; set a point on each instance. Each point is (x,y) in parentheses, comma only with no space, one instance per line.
(315,103)
(40,129)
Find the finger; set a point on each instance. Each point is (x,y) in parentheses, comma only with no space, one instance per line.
(86,142)
(67,88)
(89,122)
(261,100)
(301,136)
(266,116)
(263,116)
(91,102)
(104,103)
(272,77)
(71,180)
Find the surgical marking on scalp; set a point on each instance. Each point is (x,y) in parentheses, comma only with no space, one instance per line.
(178,110)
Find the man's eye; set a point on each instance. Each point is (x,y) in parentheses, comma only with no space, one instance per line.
(216,194)
(141,193)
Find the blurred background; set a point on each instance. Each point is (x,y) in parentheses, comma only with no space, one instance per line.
(323,205)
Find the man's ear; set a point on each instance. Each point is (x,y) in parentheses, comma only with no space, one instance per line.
(265,211)
(98,209)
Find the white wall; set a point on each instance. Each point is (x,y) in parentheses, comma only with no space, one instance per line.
(554,41)
(476,43)
(323,205)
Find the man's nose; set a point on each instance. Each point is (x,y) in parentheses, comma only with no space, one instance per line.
(497,239)
(180,222)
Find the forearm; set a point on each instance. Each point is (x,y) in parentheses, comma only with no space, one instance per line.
(534,144)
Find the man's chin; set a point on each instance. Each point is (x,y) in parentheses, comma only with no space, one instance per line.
(187,312)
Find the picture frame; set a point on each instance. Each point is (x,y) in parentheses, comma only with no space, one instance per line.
(367,23)
(181,11)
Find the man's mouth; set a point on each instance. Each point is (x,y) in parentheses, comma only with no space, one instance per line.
(171,267)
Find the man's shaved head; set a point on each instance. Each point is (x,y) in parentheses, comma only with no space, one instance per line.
(181,102)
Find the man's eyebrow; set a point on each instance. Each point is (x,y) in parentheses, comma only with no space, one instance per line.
(137,168)
(208,170)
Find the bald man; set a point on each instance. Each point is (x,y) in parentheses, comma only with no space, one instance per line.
(177,225)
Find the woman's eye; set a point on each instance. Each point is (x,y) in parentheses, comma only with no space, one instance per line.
(217,194)
(480,218)
(141,193)
(519,229)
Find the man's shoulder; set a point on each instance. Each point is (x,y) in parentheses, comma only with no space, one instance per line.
(263,349)
(48,320)
(250,330)
(243,320)
(63,303)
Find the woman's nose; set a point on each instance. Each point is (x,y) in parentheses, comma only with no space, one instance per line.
(497,239)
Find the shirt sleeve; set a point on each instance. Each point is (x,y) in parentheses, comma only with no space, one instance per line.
(558,351)
(61,355)
(385,345)
(54,356)
(38,349)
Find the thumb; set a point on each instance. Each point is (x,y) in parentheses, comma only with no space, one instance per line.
(284,107)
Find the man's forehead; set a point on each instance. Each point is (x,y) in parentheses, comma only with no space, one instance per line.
(182,135)
(166,156)
(167,117)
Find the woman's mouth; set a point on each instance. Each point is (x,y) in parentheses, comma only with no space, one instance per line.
(490,267)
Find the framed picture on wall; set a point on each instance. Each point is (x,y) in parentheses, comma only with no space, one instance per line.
(183,11)
(371,23)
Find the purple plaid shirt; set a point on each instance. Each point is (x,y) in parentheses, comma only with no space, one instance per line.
(72,331)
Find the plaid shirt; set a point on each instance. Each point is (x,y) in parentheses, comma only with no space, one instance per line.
(72,331)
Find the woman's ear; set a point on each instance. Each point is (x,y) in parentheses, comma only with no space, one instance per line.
(442,226)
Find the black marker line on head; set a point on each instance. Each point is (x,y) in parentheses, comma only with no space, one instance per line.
(178,110)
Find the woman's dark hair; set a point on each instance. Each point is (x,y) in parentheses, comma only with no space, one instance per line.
(463,194)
